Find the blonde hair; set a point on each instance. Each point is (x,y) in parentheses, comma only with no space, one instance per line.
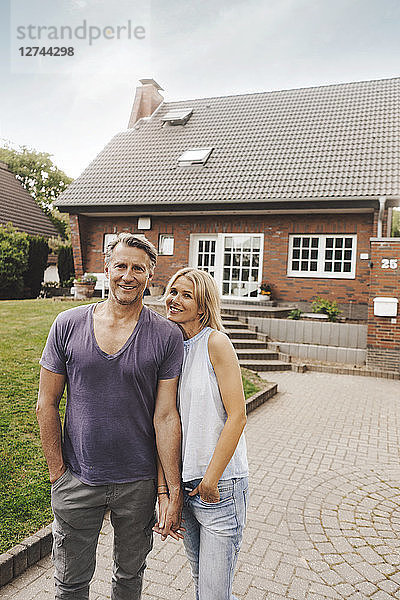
(206,295)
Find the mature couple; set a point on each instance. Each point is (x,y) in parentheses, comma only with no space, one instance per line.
(128,371)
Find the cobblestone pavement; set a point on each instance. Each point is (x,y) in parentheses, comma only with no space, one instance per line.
(324,518)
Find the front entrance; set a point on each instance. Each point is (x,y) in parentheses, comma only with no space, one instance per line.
(234,260)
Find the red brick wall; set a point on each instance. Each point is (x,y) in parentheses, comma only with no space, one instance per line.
(383,341)
(76,244)
(276,229)
(79,240)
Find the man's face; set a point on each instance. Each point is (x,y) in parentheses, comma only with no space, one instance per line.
(129,271)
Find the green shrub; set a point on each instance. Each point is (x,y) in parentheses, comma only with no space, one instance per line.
(295,314)
(327,307)
(86,278)
(14,249)
(65,265)
(37,262)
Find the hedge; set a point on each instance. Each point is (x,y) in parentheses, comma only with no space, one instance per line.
(14,249)
(37,263)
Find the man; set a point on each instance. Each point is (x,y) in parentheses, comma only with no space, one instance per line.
(121,363)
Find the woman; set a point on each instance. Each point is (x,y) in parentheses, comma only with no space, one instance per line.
(212,408)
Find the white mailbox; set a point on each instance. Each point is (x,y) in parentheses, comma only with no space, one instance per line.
(385,307)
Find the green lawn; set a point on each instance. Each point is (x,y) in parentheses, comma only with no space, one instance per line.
(24,486)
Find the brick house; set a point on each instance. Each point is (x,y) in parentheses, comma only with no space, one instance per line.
(285,187)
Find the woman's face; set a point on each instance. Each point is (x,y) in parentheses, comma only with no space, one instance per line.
(181,306)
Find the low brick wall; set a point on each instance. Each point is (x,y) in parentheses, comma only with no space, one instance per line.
(16,560)
(384,358)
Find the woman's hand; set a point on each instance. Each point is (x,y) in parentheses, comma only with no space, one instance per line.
(166,507)
(208,492)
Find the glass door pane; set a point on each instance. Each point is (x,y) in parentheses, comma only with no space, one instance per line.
(205,255)
(241,272)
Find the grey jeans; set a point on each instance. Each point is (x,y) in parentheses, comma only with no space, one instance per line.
(78,516)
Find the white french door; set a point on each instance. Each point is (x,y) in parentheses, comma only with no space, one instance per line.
(206,254)
(234,260)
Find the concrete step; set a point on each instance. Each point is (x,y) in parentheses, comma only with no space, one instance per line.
(246,343)
(266,365)
(228,317)
(256,354)
(241,333)
(233,324)
(272,312)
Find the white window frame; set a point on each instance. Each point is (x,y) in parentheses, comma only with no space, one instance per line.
(161,238)
(108,237)
(194,237)
(219,257)
(195,156)
(320,272)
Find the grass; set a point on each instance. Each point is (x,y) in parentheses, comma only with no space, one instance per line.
(252,383)
(24,485)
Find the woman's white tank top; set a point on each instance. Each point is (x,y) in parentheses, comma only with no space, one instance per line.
(203,414)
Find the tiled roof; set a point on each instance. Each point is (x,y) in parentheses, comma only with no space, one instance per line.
(336,141)
(19,208)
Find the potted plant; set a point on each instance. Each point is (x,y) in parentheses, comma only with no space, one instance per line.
(266,290)
(84,286)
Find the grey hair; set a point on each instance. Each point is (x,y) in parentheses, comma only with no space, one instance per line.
(131,240)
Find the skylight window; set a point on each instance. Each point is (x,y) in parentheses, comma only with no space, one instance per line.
(196,156)
(177,116)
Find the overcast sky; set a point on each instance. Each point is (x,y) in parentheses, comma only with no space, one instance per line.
(71,108)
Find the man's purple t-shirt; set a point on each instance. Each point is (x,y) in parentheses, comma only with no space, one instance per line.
(108,430)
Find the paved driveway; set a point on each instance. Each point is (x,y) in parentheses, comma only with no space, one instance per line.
(324,518)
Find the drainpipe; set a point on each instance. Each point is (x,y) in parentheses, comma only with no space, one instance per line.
(382,202)
(389,222)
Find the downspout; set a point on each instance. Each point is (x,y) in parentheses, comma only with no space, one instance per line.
(382,203)
(389,222)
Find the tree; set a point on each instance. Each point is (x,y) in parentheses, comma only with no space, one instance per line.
(41,179)
(37,262)
(65,264)
(14,250)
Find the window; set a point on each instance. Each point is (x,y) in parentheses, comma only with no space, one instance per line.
(195,156)
(206,255)
(177,116)
(166,244)
(234,260)
(241,270)
(108,237)
(322,256)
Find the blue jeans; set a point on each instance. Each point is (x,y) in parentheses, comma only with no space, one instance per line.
(213,536)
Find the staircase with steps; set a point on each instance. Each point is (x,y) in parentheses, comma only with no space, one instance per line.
(252,351)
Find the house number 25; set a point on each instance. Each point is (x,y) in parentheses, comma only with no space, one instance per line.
(389,263)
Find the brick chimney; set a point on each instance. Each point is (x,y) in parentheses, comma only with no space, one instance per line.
(147,99)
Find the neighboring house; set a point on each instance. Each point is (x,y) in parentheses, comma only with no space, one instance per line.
(19,208)
(284,187)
